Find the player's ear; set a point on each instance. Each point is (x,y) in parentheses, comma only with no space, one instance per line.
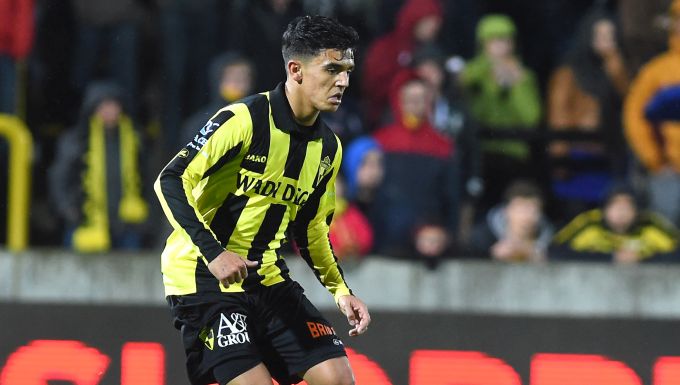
(294,68)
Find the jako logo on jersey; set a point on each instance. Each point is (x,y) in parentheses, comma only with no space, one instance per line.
(232,330)
(256,158)
(289,193)
(200,139)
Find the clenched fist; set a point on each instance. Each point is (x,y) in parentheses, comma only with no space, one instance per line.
(230,268)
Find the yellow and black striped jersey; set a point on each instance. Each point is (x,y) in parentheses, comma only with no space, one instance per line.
(251,177)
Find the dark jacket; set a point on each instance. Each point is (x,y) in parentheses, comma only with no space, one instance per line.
(65,175)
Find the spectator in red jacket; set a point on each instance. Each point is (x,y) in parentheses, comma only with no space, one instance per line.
(351,233)
(418,22)
(417,204)
(16,40)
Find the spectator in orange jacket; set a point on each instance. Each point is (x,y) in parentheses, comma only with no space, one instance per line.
(16,40)
(657,144)
(585,94)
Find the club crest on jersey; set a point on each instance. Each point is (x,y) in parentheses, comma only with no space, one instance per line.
(324,167)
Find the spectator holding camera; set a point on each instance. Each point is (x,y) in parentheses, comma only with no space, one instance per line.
(516,230)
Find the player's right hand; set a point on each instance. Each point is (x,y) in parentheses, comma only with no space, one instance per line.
(229,268)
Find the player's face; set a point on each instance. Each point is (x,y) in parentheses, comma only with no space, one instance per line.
(326,77)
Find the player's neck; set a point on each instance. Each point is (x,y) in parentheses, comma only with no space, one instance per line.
(304,112)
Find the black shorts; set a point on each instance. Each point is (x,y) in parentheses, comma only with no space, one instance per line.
(226,334)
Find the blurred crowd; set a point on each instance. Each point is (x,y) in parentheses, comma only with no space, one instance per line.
(512,130)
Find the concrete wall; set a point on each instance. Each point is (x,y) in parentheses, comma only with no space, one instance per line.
(460,286)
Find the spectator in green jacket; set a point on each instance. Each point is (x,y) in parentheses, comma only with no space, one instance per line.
(502,94)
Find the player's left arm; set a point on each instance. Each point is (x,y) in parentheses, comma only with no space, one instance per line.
(311,230)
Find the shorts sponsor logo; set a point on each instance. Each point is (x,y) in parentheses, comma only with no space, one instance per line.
(317,329)
(337,341)
(184,153)
(232,330)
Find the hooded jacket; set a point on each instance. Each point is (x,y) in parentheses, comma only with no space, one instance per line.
(390,53)
(655,144)
(353,158)
(495,106)
(16,28)
(419,187)
(399,138)
(95,182)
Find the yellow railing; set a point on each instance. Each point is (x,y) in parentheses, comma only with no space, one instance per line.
(19,186)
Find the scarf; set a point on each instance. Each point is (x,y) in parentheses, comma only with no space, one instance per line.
(93,234)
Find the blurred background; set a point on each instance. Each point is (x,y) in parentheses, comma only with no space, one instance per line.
(508,203)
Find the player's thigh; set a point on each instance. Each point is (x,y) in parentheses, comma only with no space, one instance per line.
(334,371)
(258,375)
(298,336)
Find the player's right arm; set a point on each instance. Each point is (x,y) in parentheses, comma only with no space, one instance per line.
(222,138)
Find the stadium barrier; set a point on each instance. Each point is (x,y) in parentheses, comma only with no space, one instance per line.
(19,185)
(473,286)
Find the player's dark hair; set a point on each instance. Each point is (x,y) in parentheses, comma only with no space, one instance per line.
(308,35)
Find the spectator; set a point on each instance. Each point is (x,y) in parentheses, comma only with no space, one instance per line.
(418,22)
(256,28)
(95,182)
(618,232)
(16,40)
(351,234)
(189,39)
(657,143)
(585,95)
(362,165)
(516,230)
(418,196)
(643,29)
(110,30)
(451,117)
(502,95)
(231,78)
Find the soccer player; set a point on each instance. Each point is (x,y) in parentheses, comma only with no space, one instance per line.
(260,171)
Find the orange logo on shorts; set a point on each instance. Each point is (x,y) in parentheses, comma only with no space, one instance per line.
(318,329)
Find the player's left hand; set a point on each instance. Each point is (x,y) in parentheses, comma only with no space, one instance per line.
(356,312)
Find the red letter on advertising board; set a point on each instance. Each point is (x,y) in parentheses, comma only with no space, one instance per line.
(142,363)
(666,371)
(447,367)
(43,360)
(568,369)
